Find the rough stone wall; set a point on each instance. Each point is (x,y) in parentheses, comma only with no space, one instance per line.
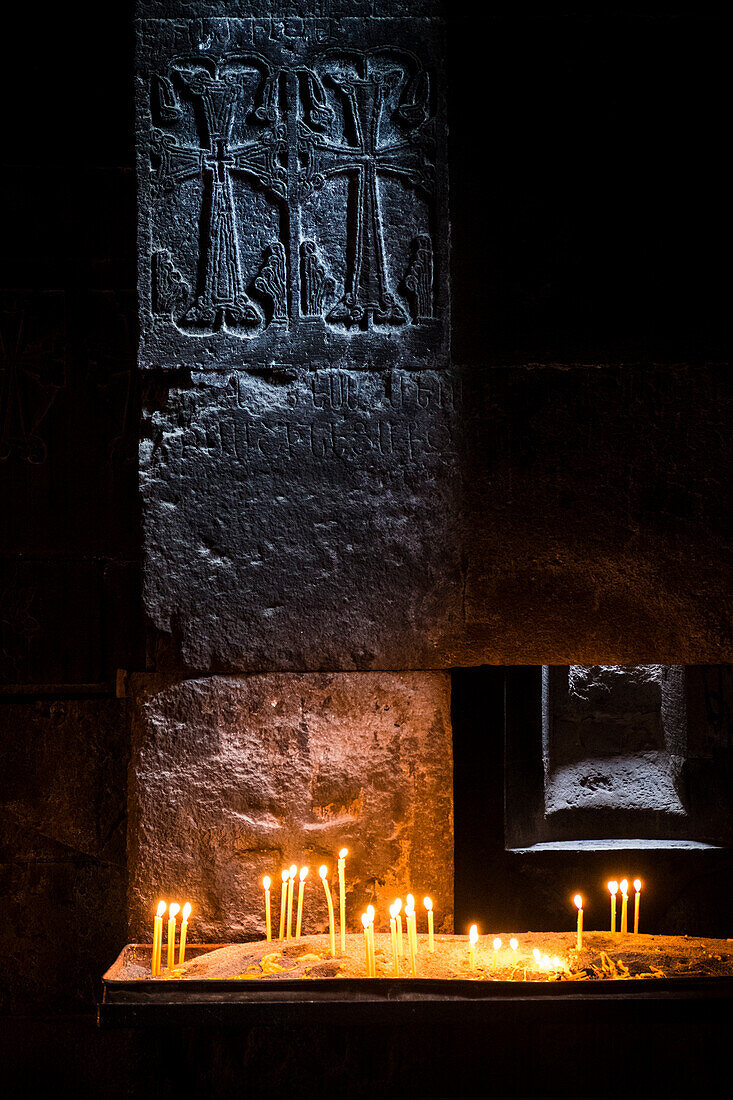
(233,778)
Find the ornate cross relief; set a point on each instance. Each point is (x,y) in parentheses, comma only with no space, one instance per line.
(295,208)
(219,91)
(382,133)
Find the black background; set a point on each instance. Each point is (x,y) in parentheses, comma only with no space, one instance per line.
(589,231)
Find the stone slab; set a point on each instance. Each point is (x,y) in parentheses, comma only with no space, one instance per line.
(292,192)
(304,522)
(232,778)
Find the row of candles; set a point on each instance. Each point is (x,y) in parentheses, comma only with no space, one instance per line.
(395,913)
(613,889)
(173,910)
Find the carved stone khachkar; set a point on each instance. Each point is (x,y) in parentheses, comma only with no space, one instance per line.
(293,196)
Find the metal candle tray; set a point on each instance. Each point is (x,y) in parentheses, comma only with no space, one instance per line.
(137,1002)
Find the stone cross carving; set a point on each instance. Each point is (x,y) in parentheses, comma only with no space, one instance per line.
(218,89)
(367,81)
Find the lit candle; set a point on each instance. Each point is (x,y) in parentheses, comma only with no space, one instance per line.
(537,956)
(579,941)
(184,929)
(637,895)
(268,917)
(323,871)
(289,921)
(157,939)
(283,902)
(497,948)
(367,948)
(301,887)
(624,905)
(514,944)
(411,942)
(400,945)
(411,921)
(473,940)
(613,890)
(431,941)
(370,915)
(342,896)
(173,909)
(393,932)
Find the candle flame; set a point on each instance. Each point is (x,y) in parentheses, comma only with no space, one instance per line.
(578,901)
(343,853)
(174,908)
(409,911)
(370,913)
(473,935)
(410,902)
(285,876)
(186,911)
(637,884)
(428,904)
(293,870)
(613,886)
(514,943)
(266,882)
(624,886)
(398,904)
(303,873)
(497,943)
(323,870)
(536,953)
(393,910)
(546,962)
(161,908)
(365,921)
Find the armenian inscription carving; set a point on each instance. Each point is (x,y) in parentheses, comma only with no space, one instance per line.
(295,199)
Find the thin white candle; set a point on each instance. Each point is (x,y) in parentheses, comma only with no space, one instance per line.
(283,901)
(393,933)
(473,940)
(624,906)
(267,882)
(323,871)
(157,939)
(431,939)
(372,952)
(301,887)
(637,895)
(172,911)
(398,918)
(184,929)
(342,896)
(367,949)
(613,890)
(497,949)
(411,941)
(579,938)
(289,920)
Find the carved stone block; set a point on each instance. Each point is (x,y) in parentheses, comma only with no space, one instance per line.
(233,778)
(306,524)
(293,198)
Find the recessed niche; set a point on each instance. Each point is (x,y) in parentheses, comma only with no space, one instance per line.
(599,754)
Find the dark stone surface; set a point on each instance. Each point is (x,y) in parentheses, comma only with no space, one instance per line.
(235,778)
(344,520)
(308,524)
(62,849)
(292,192)
(665,1048)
